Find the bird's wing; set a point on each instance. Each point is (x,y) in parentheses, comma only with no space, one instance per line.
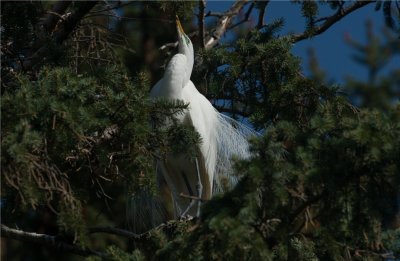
(171,85)
(222,139)
(204,119)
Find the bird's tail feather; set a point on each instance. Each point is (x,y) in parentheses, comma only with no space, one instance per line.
(232,139)
(145,210)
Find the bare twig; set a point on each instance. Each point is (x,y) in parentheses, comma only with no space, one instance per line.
(360,252)
(216,14)
(54,15)
(223,23)
(113,15)
(331,20)
(58,243)
(304,205)
(47,240)
(126,233)
(168,45)
(109,8)
(116,231)
(245,19)
(192,197)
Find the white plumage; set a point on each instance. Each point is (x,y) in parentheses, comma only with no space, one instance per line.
(221,137)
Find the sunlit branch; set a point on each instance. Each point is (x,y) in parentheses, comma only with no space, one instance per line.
(223,23)
(329,21)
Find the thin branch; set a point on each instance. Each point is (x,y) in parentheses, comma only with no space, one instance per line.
(47,240)
(245,19)
(92,58)
(59,244)
(304,205)
(321,19)
(109,8)
(342,12)
(192,197)
(223,22)
(125,233)
(202,7)
(263,7)
(217,14)
(360,252)
(112,15)
(116,231)
(54,15)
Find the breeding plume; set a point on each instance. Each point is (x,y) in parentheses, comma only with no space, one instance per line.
(221,137)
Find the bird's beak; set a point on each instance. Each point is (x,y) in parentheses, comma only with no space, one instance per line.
(179,27)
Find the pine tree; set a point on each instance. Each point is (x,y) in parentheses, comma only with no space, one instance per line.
(79,134)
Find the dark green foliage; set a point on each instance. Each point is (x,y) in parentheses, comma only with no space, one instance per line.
(381,91)
(116,254)
(78,129)
(323,183)
(79,137)
(309,10)
(180,8)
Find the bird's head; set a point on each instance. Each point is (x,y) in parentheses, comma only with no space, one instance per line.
(185,45)
(185,48)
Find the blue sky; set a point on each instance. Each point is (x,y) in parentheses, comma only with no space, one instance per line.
(333,53)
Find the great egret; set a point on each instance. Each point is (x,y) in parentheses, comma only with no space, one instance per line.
(221,137)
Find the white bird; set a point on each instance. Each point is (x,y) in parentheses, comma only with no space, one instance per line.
(221,137)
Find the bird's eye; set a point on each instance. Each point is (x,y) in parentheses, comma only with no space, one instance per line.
(187,39)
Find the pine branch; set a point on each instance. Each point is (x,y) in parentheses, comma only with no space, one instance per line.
(57,242)
(47,240)
(126,233)
(329,21)
(223,23)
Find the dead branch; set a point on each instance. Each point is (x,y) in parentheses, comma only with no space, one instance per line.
(223,23)
(54,15)
(116,231)
(245,19)
(192,197)
(329,21)
(47,240)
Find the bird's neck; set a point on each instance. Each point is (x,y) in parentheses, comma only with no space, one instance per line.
(188,52)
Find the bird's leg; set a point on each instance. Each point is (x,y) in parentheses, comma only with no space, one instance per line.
(190,193)
(188,208)
(199,187)
(173,190)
